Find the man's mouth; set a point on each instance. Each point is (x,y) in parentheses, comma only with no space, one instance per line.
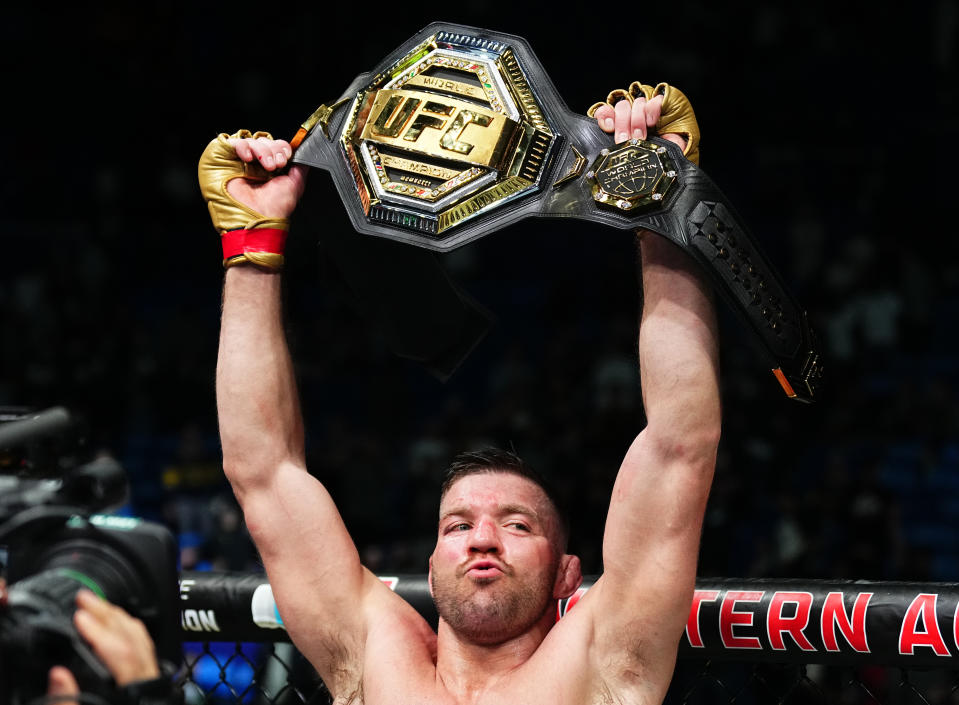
(484,569)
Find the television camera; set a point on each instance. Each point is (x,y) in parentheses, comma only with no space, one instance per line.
(53,543)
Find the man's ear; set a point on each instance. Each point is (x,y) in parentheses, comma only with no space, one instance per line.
(569,576)
(429,577)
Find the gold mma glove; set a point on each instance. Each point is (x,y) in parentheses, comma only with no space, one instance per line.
(677,115)
(247,236)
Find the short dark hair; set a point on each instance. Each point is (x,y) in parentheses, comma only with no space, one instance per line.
(491,460)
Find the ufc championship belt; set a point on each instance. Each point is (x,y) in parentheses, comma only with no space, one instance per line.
(459,133)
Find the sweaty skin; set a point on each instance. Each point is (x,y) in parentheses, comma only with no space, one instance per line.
(498,565)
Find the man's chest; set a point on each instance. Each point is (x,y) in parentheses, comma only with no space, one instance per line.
(373,693)
(422,686)
(399,667)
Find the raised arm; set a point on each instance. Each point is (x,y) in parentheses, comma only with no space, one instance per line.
(320,587)
(651,542)
(659,498)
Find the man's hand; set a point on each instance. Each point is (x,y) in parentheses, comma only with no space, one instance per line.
(277,196)
(249,197)
(643,110)
(120,641)
(628,121)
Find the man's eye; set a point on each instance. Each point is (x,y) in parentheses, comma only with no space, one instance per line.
(519,525)
(461,526)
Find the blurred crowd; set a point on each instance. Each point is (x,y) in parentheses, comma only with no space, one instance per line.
(862,484)
(111,308)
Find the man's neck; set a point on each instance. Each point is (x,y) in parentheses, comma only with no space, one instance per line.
(467,669)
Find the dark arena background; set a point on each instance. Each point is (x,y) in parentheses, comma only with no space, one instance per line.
(831,127)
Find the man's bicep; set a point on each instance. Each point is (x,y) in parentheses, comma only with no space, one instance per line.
(651,542)
(309,556)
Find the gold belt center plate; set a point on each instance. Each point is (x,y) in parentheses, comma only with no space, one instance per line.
(439,126)
(450,131)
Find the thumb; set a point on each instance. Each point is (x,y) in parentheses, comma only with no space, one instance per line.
(298,173)
(62,684)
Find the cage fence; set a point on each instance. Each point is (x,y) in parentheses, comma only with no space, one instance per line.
(228,673)
(748,642)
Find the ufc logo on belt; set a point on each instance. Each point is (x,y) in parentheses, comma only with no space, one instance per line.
(438,126)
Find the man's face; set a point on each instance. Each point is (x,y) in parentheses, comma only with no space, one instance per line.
(495,564)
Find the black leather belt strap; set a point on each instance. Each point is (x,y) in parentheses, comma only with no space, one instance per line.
(556,164)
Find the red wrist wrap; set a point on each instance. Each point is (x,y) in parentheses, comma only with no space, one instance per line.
(238,242)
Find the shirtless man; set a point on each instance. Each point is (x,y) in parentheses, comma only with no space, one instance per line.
(499,564)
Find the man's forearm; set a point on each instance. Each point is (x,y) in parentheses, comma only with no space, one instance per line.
(678,350)
(257,402)
(655,514)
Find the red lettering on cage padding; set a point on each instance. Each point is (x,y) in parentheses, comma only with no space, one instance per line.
(922,609)
(730,618)
(823,622)
(852,628)
(778,625)
(913,625)
(692,624)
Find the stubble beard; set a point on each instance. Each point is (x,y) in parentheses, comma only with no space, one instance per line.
(491,611)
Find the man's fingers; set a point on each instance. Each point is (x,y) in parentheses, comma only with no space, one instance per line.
(61,683)
(265,152)
(638,118)
(271,154)
(93,627)
(604,118)
(242,149)
(97,620)
(654,110)
(118,639)
(623,116)
(629,120)
(104,613)
(124,646)
(637,113)
(86,599)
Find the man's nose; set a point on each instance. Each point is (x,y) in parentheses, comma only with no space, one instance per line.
(484,538)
